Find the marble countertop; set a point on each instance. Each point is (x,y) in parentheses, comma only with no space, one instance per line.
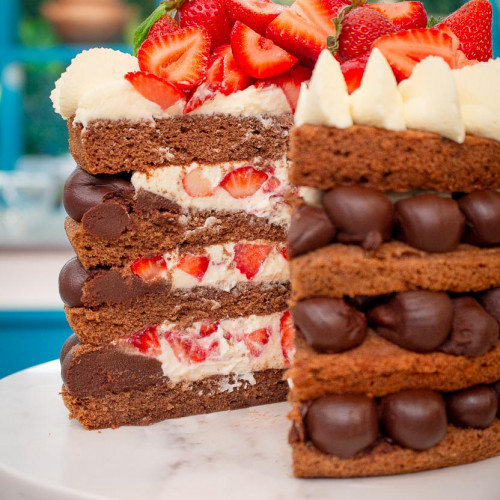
(240,454)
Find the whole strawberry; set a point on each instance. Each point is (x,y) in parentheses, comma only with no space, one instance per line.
(209,14)
(359,29)
(471,23)
(164,26)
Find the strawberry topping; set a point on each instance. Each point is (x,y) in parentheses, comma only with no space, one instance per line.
(256,14)
(164,26)
(207,329)
(243,182)
(249,257)
(256,340)
(149,268)
(259,57)
(196,184)
(187,349)
(146,341)
(181,57)
(404,15)
(195,265)
(154,88)
(287,332)
(353,70)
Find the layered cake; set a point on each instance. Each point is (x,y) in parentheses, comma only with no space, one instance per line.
(395,274)
(179,209)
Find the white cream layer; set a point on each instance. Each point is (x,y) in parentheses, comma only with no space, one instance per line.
(222,272)
(266,203)
(463,99)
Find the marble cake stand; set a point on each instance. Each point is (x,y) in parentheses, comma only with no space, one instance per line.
(235,455)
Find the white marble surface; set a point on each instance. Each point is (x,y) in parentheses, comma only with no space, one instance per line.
(232,455)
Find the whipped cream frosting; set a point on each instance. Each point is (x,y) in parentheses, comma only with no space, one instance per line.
(226,351)
(268,202)
(434,98)
(222,271)
(93,87)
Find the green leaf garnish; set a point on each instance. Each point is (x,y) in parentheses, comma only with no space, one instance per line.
(141,33)
(432,21)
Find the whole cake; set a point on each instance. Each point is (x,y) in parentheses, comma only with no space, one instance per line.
(179,209)
(396,272)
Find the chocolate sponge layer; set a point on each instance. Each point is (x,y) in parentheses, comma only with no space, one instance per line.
(111,146)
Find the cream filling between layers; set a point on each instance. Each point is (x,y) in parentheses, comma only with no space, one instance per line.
(267,202)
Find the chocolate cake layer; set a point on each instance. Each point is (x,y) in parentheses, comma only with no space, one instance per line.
(162,400)
(154,233)
(183,306)
(111,146)
(379,367)
(324,157)
(460,446)
(339,270)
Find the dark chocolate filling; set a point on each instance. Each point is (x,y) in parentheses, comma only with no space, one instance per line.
(366,217)
(347,425)
(420,321)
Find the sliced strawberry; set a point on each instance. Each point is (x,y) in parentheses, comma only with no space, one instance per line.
(187,349)
(353,71)
(360,28)
(224,76)
(256,340)
(287,332)
(249,257)
(208,14)
(258,56)
(146,341)
(462,61)
(154,88)
(164,26)
(284,252)
(404,15)
(320,13)
(472,25)
(256,14)
(181,58)
(405,49)
(271,185)
(196,184)
(149,268)
(207,329)
(243,182)
(289,83)
(195,265)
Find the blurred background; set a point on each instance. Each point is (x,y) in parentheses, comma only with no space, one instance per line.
(38,38)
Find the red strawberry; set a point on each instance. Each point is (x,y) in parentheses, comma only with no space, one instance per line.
(150,268)
(256,340)
(461,60)
(164,26)
(284,252)
(196,185)
(208,14)
(303,29)
(360,28)
(243,182)
(154,88)
(207,329)
(181,58)
(187,350)
(258,56)
(249,257)
(271,185)
(353,70)
(289,83)
(472,25)
(195,265)
(146,341)
(256,14)
(224,76)
(404,15)
(287,332)
(405,49)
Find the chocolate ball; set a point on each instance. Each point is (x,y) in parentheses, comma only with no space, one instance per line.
(414,418)
(71,280)
(474,331)
(496,388)
(490,300)
(83,191)
(106,220)
(431,223)
(474,407)
(329,325)
(70,342)
(310,228)
(420,320)
(482,216)
(360,215)
(342,425)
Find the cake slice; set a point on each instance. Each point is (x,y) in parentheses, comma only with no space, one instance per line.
(394,274)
